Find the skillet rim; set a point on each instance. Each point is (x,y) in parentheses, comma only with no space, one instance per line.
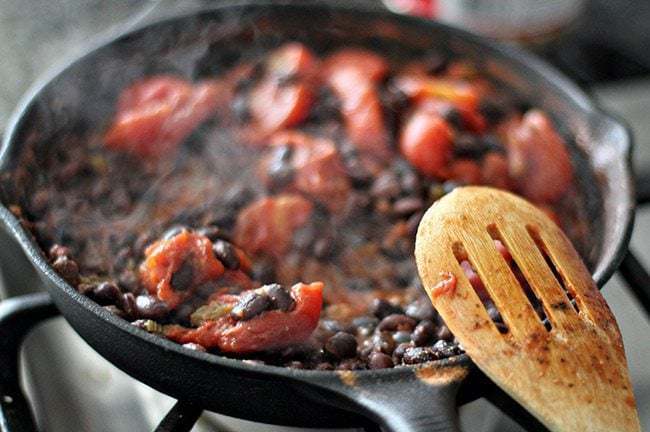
(545,71)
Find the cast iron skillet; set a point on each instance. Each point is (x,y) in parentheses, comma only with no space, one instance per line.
(403,399)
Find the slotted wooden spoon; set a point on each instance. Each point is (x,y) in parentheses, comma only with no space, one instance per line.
(572,377)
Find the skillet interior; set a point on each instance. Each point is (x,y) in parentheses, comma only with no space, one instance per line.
(61,107)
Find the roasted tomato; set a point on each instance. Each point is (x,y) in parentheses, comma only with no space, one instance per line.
(284,96)
(465,171)
(494,171)
(538,158)
(314,164)
(155,114)
(426,142)
(353,75)
(423,89)
(174,267)
(266,226)
(270,330)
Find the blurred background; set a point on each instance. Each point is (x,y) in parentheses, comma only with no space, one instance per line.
(602,45)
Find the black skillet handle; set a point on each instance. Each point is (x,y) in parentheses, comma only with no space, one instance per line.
(18,316)
(642,185)
(420,400)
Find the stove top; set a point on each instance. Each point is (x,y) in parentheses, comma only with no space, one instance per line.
(73,388)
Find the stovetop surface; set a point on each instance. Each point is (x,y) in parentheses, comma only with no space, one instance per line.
(76,389)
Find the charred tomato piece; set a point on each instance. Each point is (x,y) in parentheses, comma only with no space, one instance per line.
(154,115)
(268,330)
(267,225)
(174,267)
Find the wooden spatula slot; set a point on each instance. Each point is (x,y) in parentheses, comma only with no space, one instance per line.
(533,231)
(572,376)
(511,260)
(479,287)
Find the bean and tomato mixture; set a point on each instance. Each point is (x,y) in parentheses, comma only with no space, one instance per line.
(269,212)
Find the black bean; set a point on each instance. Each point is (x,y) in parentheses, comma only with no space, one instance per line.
(494,111)
(416,355)
(378,360)
(183,277)
(86,288)
(106,293)
(58,250)
(250,305)
(150,307)
(213,233)
(394,99)
(173,231)
(444,349)
(327,108)
(421,309)
(127,304)
(396,322)
(410,182)
(194,347)
(424,333)
(280,297)
(386,185)
(384,342)
(470,146)
(331,326)
(280,169)
(67,269)
(381,308)
(226,253)
(402,336)
(398,352)
(493,144)
(365,322)
(453,117)
(342,345)
(443,333)
(357,172)
(407,206)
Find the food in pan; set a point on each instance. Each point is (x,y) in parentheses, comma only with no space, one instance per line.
(267,211)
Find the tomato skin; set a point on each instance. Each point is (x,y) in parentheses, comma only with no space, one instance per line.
(494,171)
(353,75)
(272,329)
(266,226)
(538,159)
(275,329)
(164,257)
(426,142)
(274,105)
(318,168)
(465,171)
(373,66)
(154,115)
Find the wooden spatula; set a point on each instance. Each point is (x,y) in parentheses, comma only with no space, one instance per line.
(573,376)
